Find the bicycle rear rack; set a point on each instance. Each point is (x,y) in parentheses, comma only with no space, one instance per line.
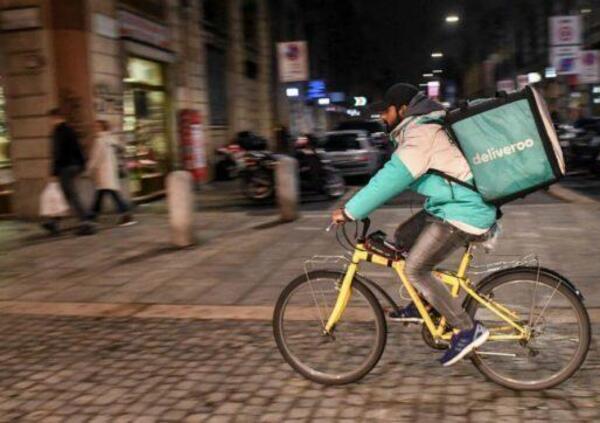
(527,260)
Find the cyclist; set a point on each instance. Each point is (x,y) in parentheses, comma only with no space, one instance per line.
(453,214)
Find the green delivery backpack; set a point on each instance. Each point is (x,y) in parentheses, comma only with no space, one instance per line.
(510,144)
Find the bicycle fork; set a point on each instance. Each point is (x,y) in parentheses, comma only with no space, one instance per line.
(344,294)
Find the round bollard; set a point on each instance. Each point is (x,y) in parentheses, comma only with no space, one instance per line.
(180,199)
(286,181)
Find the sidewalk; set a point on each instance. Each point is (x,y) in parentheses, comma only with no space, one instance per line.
(246,257)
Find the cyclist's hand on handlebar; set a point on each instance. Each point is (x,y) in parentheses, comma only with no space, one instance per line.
(338,217)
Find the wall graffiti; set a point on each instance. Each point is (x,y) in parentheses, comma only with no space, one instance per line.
(107,99)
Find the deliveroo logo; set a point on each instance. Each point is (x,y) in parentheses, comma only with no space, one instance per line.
(492,154)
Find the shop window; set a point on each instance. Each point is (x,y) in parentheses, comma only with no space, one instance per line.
(217,85)
(4,142)
(140,71)
(145,110)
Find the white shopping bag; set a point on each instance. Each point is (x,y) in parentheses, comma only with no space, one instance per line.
(53,202)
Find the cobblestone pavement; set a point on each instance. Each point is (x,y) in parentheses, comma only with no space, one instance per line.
(75,369)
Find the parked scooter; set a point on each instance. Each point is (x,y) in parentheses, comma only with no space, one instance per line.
(258,175)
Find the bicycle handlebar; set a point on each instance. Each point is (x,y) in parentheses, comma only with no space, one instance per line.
(365,229)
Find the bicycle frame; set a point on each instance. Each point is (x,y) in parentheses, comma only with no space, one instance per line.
(456,281)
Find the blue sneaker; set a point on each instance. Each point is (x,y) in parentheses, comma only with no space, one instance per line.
(464,342)
(407,314)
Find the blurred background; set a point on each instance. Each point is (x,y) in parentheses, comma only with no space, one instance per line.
(186,82)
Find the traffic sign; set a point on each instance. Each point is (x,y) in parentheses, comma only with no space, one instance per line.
(565,59)
(293,61)
(360,101)
(565,30)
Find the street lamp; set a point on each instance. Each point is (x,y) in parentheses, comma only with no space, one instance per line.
(452,19)
(437,54)
(427,75)
(437,71)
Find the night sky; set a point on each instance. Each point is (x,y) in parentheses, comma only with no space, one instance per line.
(366,45)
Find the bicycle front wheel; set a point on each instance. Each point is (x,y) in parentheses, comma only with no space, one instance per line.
(350,351)
(554,315)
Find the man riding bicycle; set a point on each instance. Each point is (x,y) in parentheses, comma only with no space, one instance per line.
(453,214)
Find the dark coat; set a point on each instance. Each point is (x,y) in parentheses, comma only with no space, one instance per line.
(66,151)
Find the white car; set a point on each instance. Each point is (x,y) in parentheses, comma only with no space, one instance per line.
(351,152)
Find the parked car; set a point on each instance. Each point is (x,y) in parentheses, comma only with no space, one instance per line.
(376,132)
(351,152)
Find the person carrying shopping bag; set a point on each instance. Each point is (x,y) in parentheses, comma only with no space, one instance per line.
(68,163)
(104,170)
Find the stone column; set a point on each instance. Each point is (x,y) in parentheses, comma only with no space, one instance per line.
(191,91)
(30,92)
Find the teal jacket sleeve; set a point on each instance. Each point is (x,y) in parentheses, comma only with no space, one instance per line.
(390,181)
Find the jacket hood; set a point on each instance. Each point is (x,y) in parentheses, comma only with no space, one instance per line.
(422,105)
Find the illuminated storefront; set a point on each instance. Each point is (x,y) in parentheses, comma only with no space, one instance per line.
(145,126)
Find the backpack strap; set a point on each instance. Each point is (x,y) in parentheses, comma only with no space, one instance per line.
(452,179)
(449,178)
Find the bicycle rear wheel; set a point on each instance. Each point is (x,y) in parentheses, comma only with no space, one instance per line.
(557,319)
(357,341)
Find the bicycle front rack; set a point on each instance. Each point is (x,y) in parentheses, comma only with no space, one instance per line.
(339,262)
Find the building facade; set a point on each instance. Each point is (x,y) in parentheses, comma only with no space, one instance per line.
(138,64)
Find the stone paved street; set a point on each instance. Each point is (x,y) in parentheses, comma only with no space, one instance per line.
(122,327)
(75,369)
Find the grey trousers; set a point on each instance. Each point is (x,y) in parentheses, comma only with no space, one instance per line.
(67,178)
(430,241)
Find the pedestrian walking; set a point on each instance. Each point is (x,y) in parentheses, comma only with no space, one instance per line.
(68,163)
(104,168)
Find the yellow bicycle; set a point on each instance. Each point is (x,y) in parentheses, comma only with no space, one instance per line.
(331,328)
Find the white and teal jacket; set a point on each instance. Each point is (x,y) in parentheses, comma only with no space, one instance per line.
(422,146)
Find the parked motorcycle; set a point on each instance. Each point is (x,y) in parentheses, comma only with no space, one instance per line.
(567,134)
(580,143)
(228,162)
(316,175)
(258,175)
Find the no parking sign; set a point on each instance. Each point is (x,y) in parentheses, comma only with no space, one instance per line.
(565,30)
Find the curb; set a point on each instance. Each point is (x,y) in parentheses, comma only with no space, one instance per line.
(570,196)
